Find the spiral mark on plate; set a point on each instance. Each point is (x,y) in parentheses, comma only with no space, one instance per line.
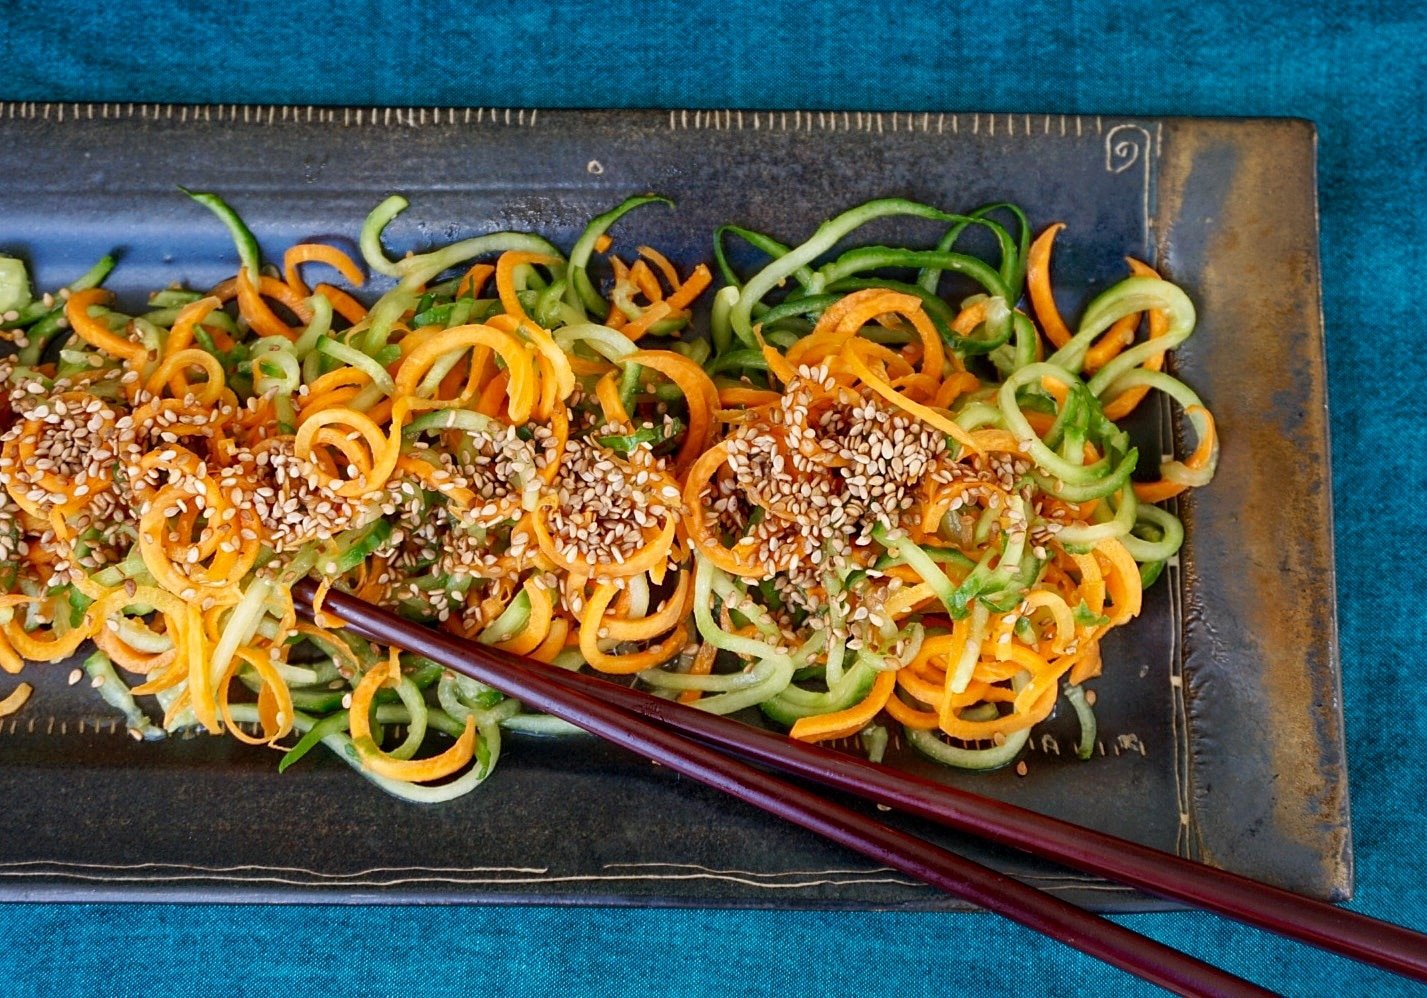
(1124,148)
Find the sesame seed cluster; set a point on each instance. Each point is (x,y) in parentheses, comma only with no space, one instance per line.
(70,435)
(604,503)
(469,547)
(813,477)
(502,468)
(825,477)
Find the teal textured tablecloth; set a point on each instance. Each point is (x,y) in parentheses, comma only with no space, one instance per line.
(1357,70)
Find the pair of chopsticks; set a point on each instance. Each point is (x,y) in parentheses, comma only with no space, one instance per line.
(689,741)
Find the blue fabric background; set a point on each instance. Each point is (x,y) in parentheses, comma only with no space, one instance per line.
(1357,70)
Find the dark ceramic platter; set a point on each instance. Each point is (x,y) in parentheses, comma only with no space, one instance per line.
(1220,725)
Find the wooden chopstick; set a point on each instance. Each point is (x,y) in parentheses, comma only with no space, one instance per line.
(1383,944)
(538,688)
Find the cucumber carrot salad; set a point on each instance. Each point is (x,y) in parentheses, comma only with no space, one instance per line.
(839,494)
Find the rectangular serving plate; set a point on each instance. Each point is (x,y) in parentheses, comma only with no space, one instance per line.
(1220,720)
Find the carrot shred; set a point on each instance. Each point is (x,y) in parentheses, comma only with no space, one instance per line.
(16,699)
(699,393)
(646,282)
(342,303)
(1112,342)
(907,715)
(189,318)
(729,559)
(660,261)
(94,332)
(10,661)
(654,313)
(702,665)
(1038,287)
(842,723)
(376,761)
(626,664)
(675,608)
(542,611)
(318,253)
(607,392)
(505,279)
(473,280)
(255,311)
(694,285)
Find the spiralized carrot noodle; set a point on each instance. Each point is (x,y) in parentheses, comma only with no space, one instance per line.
(318,253)
(831,493)
(16,698)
